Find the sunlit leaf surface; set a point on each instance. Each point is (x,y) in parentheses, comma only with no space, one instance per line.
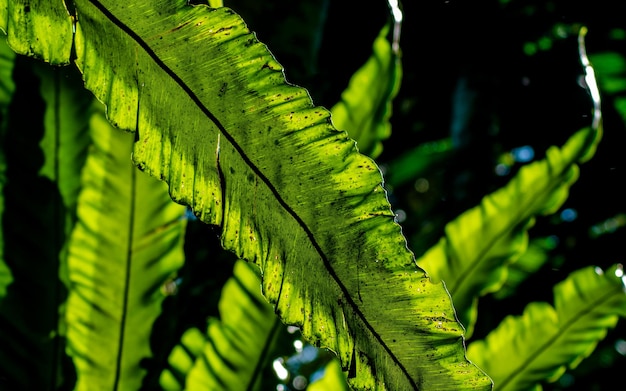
(252,156)
(127,243)
(234,349)
(365,107)
(474,255)
(545,340)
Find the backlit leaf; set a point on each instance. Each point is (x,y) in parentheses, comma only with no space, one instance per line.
(542,342)
(233,350)
(473,257)
(127,243)
(252,156)
(365,106)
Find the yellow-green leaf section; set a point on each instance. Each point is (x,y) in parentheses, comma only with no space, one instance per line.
(40,28)
(473,256)
(7,87)
(126,244)
(250,153)
(365,106)
(232,353)
(545,340)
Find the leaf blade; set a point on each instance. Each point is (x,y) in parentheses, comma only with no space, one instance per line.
(365,106)
(41,169)
(546,340)
(473,257)
(127,242)
(243,184)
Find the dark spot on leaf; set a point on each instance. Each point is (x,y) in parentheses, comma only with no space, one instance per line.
(222,90)
(221,29)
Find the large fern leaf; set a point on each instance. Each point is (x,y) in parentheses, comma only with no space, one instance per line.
(251,155)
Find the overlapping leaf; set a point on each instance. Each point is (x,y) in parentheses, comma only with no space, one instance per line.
(473,257)
(126,244)
(44,151)
(7,87)
(545,340)
(233,350)
(365,106)
(252,156)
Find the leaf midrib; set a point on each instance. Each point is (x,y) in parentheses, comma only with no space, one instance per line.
(531,205)
(127,30)
(551,341)
(127,273)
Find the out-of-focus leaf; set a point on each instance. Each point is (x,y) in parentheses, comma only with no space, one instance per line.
(365,106)
(7,87)
(545,340)
(232,353)
(608,226)
(216,119)
(611,70)
(333,379)
(530,261)
(473,257)
(44,146)
(126,244)
(418,161)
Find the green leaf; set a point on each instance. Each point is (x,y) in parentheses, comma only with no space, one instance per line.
(252,156)
(365,106)
(39,28)
(7,87)
(231,354)
(611,70)
(43,165)
(535,256)
(473,256)
(418,162)
(333,379)
(126,244)
(545,340)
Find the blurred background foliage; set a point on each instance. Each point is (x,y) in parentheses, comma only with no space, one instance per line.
(487,87)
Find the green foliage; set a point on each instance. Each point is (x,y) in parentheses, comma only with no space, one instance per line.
(474,255)
(546,339)
(108,282)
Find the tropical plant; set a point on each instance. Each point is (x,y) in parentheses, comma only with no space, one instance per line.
(106,283)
